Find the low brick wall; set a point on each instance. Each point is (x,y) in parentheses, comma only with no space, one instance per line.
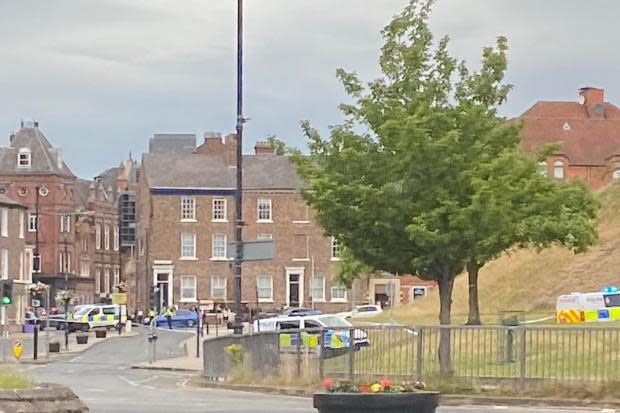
(42,399)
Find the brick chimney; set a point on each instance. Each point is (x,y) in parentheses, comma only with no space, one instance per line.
(264,148)
(215,145)
(593,100)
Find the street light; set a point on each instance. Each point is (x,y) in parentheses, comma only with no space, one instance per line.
(238,322)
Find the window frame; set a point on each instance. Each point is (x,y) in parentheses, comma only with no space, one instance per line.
(106,280)
(106,237)
(264,236)
(214,256)
(313,288)
(28,158)
(97,236)
(335,247)
(335,286)
(184,237)
(223,210)
(22,224)
(259,288)
(559,166)
(33,219)
(116,238)
(225,287)
(268,202)
(5,223)
(192,299)
(188,209)
(5,263)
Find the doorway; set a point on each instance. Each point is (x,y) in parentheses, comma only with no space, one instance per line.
(295,287)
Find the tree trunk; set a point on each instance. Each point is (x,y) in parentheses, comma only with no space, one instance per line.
(445,299)
(474,309)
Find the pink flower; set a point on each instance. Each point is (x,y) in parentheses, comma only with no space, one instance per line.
(385,383)
(328,383)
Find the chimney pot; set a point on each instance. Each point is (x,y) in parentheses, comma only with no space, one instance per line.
(264,148)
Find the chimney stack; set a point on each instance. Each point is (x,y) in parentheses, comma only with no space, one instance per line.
(264,148)
(11,137)
(593,99)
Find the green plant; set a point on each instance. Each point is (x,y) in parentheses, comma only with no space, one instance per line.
(13,380)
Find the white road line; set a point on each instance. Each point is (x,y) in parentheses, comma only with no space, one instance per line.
(608,411)
(126,380)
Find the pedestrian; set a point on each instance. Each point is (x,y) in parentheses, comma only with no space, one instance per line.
(152,315)
(140,317)
(169,313)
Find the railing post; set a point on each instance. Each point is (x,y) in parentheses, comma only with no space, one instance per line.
(322,355)
(420,354)
(522,358)
(351,353)
(298,353)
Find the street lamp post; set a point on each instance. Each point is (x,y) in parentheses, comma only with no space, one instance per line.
(238,322)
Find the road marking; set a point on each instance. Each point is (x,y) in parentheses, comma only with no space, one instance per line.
(140,382)
(500,407)
(126,380)
(608,411)
(182,383)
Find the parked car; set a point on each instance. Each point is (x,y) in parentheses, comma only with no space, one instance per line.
(363,311)
(300,312)
(181,318)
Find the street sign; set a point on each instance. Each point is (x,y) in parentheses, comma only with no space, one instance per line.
(119,298)
(36,303)
(263,250)
(17,348)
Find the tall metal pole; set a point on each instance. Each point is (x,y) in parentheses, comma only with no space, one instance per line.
(238,323)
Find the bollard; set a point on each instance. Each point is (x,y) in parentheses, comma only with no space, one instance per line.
(35,340)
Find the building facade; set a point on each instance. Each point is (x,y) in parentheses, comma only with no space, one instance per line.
(33,173)
(587,133)
(186,216)
(13,263)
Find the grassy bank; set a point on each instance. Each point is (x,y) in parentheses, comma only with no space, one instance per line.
(529,281)
(13,380)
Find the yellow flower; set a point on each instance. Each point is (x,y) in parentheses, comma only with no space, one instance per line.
(376,388)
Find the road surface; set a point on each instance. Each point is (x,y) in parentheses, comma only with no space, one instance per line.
(103,379)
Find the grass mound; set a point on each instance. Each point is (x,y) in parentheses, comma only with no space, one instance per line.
(13,380)
(529,281)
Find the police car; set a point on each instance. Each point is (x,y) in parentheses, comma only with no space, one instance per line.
(97,315)
(336,332)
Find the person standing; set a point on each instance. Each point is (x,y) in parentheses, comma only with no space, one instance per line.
(169,314)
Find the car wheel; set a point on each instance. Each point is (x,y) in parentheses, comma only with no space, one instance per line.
(190,323)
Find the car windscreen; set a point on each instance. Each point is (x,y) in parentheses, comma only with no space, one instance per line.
(83,311)
(334,321)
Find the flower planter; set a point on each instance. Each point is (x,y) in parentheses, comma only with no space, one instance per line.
(54,347)
(101,333)
(417,402)
(81,339)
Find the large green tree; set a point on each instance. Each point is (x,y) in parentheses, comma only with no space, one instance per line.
(405,196)
(515,207)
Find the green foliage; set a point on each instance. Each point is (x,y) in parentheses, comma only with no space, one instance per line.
(277,143)
(235,354)
(348,269)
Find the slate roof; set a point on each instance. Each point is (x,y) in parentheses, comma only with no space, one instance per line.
(584,140)
(164,143)
(44,157)
(260,172)
(82,188)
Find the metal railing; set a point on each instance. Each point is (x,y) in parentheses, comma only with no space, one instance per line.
(516,357)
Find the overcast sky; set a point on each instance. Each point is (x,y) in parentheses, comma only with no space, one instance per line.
(103,76)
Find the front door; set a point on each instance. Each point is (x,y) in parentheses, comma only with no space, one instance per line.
(293,290)
(162,284)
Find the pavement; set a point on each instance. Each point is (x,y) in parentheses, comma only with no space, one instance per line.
(103,378)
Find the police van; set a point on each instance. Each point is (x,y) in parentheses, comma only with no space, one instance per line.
(97,315)
(589,307)
(336,332)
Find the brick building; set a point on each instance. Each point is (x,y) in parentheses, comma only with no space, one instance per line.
(13,264)
(33,173)
(186,215)
(587,131)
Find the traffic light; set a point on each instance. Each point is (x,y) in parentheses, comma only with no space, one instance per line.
(7,292)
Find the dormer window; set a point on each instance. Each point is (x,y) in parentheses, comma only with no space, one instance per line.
(24,158)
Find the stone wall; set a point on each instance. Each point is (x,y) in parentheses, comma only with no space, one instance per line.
(42,399)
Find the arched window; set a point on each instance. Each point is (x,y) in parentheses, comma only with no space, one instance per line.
(542,168)
(558,169)
(24,158)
